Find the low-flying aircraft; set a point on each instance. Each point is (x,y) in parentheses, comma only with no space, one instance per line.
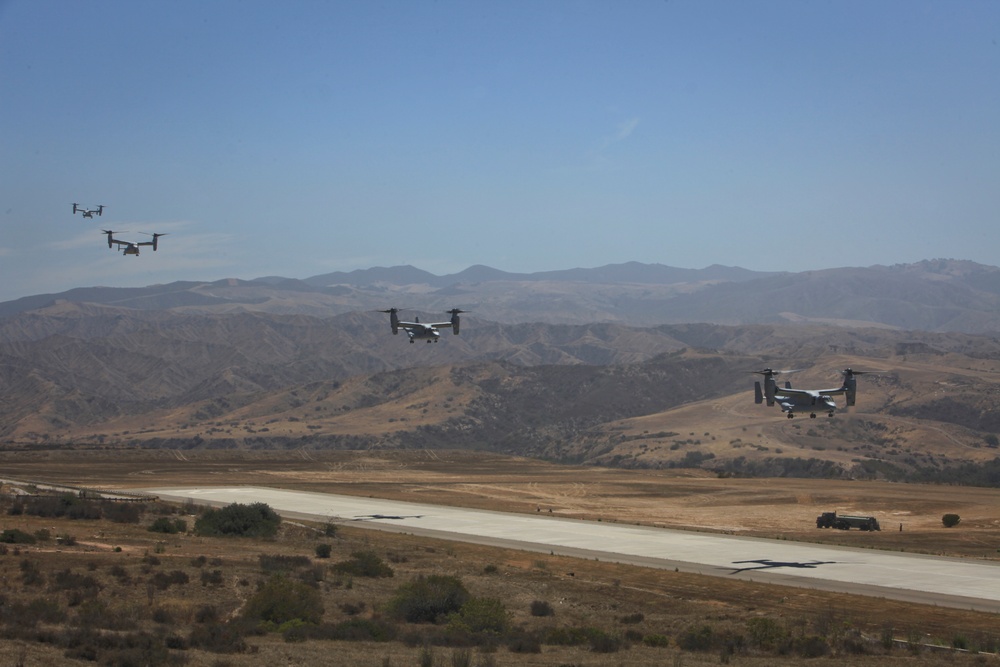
(805,400)
(89,212)
(130,247)
(418,330)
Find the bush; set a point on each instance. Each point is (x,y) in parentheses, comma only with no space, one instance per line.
(950,520)
(323,550)
(278,563)
(428,599)
(481,615)
(655,640)
(123,512)
(697,639)
(211,578)
(364,564)
(542,608)
(524,642)
(163,581)
(238,520)
(218,638)
(281,600)
(16,536)
(164,525)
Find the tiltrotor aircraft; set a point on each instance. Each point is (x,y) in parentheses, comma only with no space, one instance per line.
(805,400)
(130,247)
(89,212)
(418,330)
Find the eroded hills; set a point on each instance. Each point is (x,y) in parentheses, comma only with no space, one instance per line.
(120,372)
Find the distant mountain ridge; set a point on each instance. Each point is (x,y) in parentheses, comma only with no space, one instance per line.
(933,295)
(629,272)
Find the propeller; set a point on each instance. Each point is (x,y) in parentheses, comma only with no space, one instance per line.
(770,372)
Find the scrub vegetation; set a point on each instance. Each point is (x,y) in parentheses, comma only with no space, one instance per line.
(113,592)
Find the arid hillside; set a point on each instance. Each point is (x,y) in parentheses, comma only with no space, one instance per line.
(927,405)
(285,364)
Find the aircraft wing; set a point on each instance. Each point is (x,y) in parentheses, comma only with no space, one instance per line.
(811,393)
(424,325)
(787,391)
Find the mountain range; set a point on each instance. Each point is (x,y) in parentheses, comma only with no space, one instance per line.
(596,365)
(933,295)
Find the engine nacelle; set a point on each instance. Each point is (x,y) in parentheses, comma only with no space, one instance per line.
(456,321)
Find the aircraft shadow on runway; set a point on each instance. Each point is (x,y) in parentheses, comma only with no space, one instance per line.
(767,564)
(374,517)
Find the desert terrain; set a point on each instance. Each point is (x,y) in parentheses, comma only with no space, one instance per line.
(587,592)
(676,498)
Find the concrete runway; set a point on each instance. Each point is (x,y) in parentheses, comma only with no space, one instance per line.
(950,582)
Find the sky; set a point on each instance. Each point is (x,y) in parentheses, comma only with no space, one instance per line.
(299,138)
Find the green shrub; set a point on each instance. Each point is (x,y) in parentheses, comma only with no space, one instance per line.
(950,520)
(323,550)
(765,633)
(811,646)
(16,536)
(658,641)
(428,599)
(481,615)
(570,636)
(364,564)
(281,600)
(163,525)
(602,642)
(697,639)
(238,520)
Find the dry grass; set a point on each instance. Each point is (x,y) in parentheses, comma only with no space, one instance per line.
(583,593)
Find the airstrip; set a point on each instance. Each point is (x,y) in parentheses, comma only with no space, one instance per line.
(959,583)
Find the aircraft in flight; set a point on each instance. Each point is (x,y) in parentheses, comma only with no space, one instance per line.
(89,212)
(130,247)
(418,330)
(805,400)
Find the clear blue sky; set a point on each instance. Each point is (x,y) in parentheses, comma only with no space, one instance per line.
(297,138)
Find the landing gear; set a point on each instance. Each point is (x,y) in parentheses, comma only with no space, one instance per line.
(790,415)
